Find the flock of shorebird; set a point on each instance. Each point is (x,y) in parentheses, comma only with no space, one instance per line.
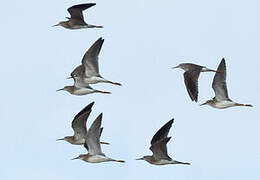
(88,73)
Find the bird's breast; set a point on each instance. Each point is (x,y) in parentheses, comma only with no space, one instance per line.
(162,162)
(83,91)
(224,104)
(93,80)
(97,159)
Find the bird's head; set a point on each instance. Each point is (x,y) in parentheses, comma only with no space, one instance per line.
(208,102)
(81,156)
(183,66)
(69,89)
(74,76)
(61,23)
(78,72)
(145,158)
(67,138)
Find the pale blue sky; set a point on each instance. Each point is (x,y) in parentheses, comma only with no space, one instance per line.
(143,39)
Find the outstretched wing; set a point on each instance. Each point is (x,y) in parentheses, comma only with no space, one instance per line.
(159,149)
(93,137)
(162,132)
(76,11)
(90,59)
(219,82)
(191,82)
(79,122)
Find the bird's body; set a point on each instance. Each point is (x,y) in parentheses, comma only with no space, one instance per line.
(76,21)
(191,76)
(79,127)
(159,149)
(221,99)
(221,104)
(92,144)
(96,158)
(152,160)
(73,140)
(82,80)
(88,72)
(79,91)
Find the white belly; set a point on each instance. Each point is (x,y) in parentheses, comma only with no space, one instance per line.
(83,91)
(79,142)
(93,80)
(97,159)
(224,104)
(163,162)
(78,27)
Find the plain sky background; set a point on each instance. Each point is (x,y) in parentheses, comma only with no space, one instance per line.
(143,40)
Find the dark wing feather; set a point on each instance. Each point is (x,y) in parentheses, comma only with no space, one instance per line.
(79,122)
(101,130)
(85,109)
(93,137)
(191,82)
(90,59)
(162,132)
(76,11)
(159,149)
(219,82)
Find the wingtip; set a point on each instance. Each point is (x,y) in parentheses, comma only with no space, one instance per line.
(223,60)
(100,115)
(92,103)
(89,106)
(121,161)
(171,121)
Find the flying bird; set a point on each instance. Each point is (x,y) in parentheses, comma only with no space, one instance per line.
(92,144)
(88,72)
(79,127)
(159,148)
(76,19)
(221,99)
(79,91)
(191,76)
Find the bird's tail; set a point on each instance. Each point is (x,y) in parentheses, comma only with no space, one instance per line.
(121,161)
(116,83)
(184,163)
(103,92)
(248,105)
(104,143)
(97,26)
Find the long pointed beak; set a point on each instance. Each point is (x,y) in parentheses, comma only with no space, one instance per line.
(175,67)
(75,158)
(55,25)
(203,104)
(60,139)
(69,77)
(60,89)
(139,159)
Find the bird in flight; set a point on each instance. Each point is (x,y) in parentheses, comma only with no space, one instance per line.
(76,19)
(92,144)
(159,148)
(79,127)
(79,91)
(191,76)
(219,85)
(88,72)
